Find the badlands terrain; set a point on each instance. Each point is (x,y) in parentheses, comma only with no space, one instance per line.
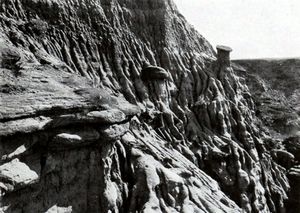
(122,106)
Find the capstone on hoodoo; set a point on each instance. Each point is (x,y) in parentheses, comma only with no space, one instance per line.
(150,73)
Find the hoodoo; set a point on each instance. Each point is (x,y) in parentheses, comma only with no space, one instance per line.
(224,55)
(156,79)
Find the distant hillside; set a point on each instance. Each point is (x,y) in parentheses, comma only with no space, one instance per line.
(275,84)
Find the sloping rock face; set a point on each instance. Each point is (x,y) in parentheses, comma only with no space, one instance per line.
(91,135)
(275,84)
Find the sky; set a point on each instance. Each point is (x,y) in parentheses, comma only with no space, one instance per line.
(252,28)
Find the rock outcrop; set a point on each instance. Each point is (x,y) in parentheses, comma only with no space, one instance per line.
(294,195)
(121,106)
(274,84)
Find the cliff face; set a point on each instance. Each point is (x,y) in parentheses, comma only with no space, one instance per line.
(274,84)
(121,106)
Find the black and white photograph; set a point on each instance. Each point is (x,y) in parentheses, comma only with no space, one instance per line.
(149,106)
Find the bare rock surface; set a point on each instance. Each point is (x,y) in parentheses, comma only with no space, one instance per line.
(274,84)
(57,209)
(107,116)
(96,130)
(294,177)
(15,175)
(292,144)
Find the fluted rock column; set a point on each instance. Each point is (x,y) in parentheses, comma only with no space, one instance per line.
(223,62)
(156,80)
(224,55)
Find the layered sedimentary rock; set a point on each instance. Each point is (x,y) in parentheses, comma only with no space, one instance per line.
(121,106)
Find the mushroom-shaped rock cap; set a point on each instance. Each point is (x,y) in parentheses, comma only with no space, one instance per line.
(224,48)
(150,73)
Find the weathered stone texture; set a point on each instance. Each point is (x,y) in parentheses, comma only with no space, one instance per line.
(98,135)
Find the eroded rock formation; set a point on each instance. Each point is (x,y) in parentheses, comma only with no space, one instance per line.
(121,106)
(274,84)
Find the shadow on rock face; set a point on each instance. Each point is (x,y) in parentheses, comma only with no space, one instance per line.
(152,73)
